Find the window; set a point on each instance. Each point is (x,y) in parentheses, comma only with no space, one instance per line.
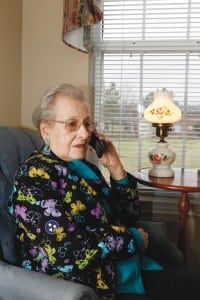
(142,46)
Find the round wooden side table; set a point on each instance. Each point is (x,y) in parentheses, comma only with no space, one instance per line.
(185,181)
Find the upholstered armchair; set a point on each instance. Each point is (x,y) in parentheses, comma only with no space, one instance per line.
(20,284)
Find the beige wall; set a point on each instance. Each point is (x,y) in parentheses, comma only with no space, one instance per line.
(46,60)
(10,61)
(34,57)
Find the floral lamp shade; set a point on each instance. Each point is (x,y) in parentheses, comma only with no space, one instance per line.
(162,109)
(79,16)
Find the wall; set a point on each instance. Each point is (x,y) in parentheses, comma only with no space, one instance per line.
(10,62)
(46,60)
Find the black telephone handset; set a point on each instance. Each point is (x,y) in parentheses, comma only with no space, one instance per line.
(100,146)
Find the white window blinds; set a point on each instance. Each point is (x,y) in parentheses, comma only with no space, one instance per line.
(142,46)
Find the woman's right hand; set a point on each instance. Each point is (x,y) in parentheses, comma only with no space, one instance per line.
(145,236)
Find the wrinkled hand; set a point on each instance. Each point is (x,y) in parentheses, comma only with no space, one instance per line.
(111,160)
(145,236)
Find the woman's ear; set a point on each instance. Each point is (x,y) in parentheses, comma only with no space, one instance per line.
(44,129)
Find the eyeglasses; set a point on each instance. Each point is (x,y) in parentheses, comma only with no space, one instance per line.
(74,125)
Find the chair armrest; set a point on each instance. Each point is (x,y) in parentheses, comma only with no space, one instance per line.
(19,284)
(160,247)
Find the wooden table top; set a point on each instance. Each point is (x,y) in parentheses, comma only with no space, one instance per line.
(185,180)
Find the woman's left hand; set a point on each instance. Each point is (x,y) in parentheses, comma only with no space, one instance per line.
(111,160)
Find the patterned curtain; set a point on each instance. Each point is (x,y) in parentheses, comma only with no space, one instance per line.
(79,15)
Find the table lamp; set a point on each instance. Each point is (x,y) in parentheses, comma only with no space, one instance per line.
(162,113)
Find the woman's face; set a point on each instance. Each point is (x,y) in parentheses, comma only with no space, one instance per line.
(71,141)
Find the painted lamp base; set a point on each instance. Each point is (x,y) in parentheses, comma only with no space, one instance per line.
(161,158)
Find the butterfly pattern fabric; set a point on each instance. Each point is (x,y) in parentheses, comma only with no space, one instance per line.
(62,225)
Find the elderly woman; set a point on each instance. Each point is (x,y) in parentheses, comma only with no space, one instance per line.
(70,223)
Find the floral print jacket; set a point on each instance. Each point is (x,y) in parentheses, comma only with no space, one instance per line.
(64,227)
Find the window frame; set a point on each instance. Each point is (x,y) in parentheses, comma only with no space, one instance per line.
(102,47)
